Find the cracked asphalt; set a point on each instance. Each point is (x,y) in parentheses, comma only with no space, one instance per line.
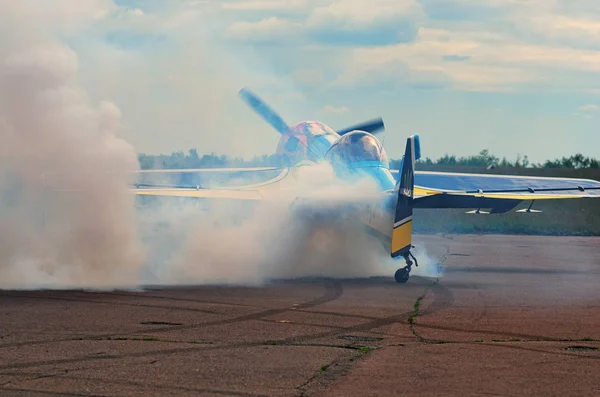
(510,315)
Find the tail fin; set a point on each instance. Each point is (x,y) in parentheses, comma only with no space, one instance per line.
(402,233)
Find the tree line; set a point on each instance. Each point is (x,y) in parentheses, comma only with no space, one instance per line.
(486,159)
(192,159)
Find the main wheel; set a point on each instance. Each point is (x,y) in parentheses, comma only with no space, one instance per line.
(401,275)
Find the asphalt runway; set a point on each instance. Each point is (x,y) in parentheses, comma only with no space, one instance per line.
(511,315)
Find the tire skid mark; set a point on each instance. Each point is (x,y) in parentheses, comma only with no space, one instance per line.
(138,294)
(363,327)
(143,295)
(290,322)
(529,337)
(190,309)
(33,376)
(346,315)
(441,301)
(333,291)
(535,350)
(443,298)
(50,393)
(153,353)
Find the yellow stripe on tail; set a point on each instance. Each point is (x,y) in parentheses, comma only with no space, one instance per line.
(402,238)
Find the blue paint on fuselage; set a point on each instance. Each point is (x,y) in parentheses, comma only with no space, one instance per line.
(378,171)
(354,156)
(375,170)
(321,144)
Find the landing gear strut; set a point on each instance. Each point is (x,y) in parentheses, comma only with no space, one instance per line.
(402,274)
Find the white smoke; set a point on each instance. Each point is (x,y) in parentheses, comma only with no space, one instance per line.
(53,138)
(429,266)
(68,220)
(252,243)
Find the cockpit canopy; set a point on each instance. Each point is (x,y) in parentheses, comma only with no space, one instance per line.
(355,147)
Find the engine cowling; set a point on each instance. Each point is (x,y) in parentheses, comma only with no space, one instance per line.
(306,140)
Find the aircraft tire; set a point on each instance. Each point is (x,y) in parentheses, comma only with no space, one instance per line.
(401,275)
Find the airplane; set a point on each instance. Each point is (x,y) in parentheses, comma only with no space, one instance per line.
(355,153)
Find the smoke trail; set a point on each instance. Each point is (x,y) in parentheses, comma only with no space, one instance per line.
(251,243)
(54,139)
(67,220)
(429,266)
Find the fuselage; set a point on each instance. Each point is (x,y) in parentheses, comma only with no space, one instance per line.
(354,156)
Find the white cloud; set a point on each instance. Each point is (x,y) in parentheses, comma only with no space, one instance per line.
(488,11)
(267,5)
(492,61)
(555,22)
(537,42)
(359,14)
(182,93)
(63,17)
(137,11)
(487,57)
(586,116)
(334,109)
(348,22)
(590,108)
(268,30)
(308,77)
(559,25)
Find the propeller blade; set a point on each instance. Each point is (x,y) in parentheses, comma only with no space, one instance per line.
(263,110)
(371,126)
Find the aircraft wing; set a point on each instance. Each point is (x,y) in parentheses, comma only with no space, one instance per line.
(286,186)
(256,191)
(232,194)
(204,170)
(499,192)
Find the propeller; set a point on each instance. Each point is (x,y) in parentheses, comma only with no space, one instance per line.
(270,116)
(263,110)
(372,126)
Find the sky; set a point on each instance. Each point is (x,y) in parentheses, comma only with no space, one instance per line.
(512,76)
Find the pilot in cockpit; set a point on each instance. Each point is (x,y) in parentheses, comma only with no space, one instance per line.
(357,147)
(370,149)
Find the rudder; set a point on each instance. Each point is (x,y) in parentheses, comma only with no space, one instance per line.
(402,232)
